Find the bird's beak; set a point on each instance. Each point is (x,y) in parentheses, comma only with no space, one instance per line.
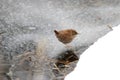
(78,33)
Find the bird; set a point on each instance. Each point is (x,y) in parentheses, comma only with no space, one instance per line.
(66,36)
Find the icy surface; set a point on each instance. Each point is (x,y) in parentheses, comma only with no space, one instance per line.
(27,23)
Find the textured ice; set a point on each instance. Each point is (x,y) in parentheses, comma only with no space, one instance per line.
(27,23)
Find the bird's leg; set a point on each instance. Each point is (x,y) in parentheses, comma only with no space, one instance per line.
(68,46)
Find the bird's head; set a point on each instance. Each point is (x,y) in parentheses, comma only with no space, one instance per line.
(74,32)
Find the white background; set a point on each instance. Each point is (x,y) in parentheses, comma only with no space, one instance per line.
(101,61)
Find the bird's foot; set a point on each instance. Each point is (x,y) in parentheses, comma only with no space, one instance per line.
(69,47)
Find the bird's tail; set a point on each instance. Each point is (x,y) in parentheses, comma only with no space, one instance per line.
(56,32)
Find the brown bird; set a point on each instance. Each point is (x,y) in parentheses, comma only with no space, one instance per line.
(66,36)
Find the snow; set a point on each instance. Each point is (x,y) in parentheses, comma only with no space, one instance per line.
(101,60)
